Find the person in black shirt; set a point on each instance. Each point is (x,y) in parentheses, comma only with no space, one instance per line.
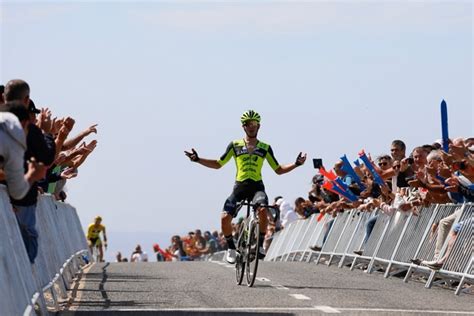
(42,148)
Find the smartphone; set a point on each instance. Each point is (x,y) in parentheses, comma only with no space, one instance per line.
(317,163)
(410,160)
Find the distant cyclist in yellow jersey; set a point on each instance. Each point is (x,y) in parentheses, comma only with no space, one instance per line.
(249,154)
(93,237)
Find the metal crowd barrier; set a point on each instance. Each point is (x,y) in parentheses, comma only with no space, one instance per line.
(459,262)
(61,247)
(337,228)
(18,289)
(394,241)
(356,240)
(426,248)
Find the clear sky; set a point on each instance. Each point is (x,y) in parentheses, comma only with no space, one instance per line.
(160,77)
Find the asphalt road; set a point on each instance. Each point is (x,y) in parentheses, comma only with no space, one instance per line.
(286,288)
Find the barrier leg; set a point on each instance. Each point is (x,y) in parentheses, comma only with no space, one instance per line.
(343,258)
(409,273)
(429,283)
(458,289)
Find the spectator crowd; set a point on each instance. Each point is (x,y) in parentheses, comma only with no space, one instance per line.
(38,154)
(434,173)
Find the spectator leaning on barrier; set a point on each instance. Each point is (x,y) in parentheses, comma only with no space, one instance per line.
(288,214)
(39,148)
(177,249)
(14,121)
(158,253)
(222,241)
(438,262)
(397,150)
(304,208)
(43,149)
(199,240)
(211,244)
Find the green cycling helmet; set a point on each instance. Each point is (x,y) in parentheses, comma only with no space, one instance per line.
(250,115)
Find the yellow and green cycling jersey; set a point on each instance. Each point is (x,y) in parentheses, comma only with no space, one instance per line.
(249,165)
(93,231)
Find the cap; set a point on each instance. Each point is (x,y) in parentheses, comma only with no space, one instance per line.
(32,108)
(279,201)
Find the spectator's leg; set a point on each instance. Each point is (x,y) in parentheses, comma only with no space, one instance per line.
(328,229)
(443,230)
(26,217)
(451,241)
(369,227)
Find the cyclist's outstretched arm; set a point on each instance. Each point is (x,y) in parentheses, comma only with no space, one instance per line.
(210,163)
(287,168)
(105,236)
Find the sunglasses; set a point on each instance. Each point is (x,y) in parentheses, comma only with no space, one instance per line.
(383,164)
(396,166)
(251,124)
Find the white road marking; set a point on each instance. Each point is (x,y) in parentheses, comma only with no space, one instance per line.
(300,297)
(327,309)
(289,309)
(281,287)
(399,311)
(263,279)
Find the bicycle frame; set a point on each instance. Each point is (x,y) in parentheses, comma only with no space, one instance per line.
(248,244)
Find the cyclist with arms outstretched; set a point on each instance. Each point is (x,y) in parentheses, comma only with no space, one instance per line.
(249,154)
(93,237)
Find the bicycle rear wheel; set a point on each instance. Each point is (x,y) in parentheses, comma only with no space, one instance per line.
(252,254)
(240,259)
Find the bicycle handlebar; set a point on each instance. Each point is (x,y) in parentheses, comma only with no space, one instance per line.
(240,204)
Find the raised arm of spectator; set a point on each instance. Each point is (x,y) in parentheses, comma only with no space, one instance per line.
(61,137)
(71,143)
(44,121)
(79,160)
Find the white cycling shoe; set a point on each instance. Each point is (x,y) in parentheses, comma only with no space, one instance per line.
(230,256)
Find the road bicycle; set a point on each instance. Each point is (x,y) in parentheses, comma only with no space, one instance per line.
(248,241)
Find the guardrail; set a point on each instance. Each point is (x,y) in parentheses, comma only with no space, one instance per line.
(394,240)
(61,248)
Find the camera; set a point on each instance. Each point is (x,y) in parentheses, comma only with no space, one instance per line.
(317,163)
(410,160)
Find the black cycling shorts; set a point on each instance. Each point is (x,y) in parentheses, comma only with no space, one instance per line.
(95,241)
(247,190)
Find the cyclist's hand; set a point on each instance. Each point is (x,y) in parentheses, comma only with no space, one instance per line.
(192,155)
(300,159)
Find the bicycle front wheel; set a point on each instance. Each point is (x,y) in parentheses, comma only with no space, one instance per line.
(252,254)
(239,260)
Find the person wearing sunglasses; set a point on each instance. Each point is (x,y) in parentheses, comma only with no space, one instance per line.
(249,154)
